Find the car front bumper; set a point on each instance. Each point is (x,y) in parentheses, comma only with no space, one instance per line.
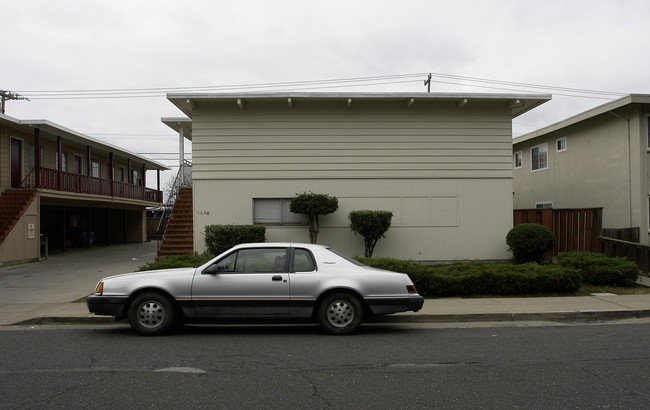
(106,306)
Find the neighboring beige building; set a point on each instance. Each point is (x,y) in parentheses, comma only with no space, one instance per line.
(598,158)
(440,162)
(68,187)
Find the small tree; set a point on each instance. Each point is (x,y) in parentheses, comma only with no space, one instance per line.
(372,225)
(312,205)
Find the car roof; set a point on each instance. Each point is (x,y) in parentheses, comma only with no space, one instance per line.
(280,245)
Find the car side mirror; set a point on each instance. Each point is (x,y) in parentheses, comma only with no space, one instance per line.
(211,270)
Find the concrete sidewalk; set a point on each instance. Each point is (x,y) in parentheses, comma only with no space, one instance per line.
(43,292)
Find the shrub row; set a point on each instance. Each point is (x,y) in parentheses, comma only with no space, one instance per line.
(598,269)
(193,260)
(474,278)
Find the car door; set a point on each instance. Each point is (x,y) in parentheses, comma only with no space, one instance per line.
(246,282)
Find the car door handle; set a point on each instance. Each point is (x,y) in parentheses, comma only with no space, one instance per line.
(277,278)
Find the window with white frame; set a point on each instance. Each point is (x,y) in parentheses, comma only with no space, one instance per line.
(64,161)
(517,159)
(275,211)
(543,205)
(94,168)
(560,144)
(539,157)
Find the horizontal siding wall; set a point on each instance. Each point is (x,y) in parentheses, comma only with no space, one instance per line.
(433,220)
(365,140)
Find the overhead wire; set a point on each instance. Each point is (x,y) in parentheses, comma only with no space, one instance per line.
(440,78)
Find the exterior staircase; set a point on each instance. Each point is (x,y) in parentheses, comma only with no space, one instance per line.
(13,204)
(179,235)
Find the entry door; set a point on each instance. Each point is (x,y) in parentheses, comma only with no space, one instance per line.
(16,163)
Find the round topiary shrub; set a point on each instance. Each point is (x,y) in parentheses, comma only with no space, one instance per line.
(529,242)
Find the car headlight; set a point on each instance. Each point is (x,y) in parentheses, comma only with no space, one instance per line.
(100,288)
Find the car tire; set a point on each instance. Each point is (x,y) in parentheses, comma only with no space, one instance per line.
(340,313)
(152,314)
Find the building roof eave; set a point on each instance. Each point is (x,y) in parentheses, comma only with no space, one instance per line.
(517,103)
(594,112)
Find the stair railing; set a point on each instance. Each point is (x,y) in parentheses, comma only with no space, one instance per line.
(183,179)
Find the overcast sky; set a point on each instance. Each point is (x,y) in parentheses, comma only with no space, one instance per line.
(157,45)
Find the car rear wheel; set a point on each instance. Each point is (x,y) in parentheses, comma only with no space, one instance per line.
(152,314)
(340,313)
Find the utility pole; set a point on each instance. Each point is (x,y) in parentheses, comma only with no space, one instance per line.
(8,95)
(427,82)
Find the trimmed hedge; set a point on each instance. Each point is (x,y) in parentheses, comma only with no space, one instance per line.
(529,242)
(220,238)
(483,278)
(183,261)
(598,269)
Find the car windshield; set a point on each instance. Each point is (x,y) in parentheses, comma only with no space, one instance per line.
(346,257)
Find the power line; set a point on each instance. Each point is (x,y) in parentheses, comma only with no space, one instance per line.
(440,78)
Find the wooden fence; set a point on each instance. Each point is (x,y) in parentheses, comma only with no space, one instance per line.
(637,253)
(574,229)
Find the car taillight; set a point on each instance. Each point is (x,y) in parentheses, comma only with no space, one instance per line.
(411,289)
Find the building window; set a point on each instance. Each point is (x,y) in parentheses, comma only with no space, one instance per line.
(64,161)
(543,205)
(539,157)
(275,211)
(517,159)
(94,168)
(560,144)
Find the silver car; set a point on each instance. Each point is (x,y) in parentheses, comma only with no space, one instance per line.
(261,280)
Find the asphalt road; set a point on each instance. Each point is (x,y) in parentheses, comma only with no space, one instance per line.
(385,366)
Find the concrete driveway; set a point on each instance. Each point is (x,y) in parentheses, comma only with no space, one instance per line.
(65,277)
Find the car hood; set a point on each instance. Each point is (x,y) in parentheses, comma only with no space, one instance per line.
(152,273)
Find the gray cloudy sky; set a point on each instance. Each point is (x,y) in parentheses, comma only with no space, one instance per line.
(67,46)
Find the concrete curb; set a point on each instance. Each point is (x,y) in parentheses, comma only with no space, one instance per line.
(404,318)
(516,317)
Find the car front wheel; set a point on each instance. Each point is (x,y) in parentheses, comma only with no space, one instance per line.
(340,313)
(152,314)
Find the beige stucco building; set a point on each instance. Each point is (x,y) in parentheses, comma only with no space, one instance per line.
(440,162)
(598,158)
(71,189)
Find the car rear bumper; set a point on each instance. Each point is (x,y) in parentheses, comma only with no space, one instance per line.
(107,306)
(387,306)
(416,303)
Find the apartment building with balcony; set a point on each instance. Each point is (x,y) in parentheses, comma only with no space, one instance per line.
(66,189)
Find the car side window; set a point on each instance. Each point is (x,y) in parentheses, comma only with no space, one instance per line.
(303,261)
(261,260)
(226,264)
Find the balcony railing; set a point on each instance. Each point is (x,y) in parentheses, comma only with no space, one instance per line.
(84,184)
